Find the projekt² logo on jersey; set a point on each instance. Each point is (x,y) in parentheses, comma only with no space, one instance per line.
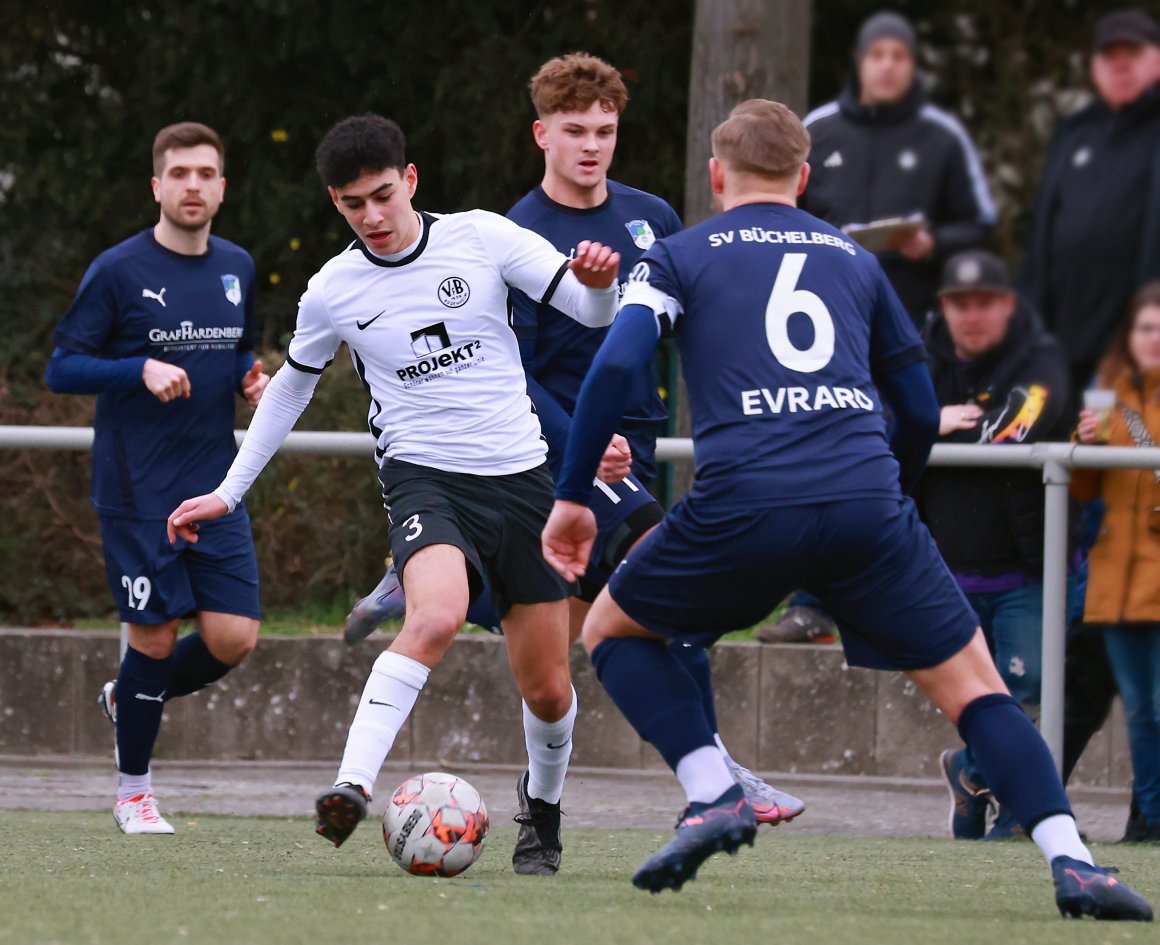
(437,356)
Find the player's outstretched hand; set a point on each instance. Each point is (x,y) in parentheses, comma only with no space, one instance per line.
(253,383)
(567,538)
(595,265)
(183,519)
(165,381)
(616,463)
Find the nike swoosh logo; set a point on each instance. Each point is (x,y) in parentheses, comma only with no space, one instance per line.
(561,745)
(387,704)
(145,698)
(362,326)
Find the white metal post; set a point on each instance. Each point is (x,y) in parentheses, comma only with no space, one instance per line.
(1056,477)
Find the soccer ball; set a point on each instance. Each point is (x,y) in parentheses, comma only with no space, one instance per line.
(435,825)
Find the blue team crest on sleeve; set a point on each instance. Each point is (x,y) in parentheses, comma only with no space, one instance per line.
(641,233)
(233,286)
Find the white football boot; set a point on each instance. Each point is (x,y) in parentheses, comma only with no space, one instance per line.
(140,815)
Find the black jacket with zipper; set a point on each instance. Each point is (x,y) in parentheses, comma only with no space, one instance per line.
(1094,236)
(873,163)
(990,521)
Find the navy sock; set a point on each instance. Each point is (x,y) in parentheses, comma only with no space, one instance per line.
(141,687)
(1013,759)
(695,659)
(655,693)
(194,667)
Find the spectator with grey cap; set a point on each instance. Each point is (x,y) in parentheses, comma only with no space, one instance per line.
(923,167)
(920,159)
(1094,236)
(1000,378)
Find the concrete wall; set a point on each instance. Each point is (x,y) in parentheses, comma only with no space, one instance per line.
(791,708)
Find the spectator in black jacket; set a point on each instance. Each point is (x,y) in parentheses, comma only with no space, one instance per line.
(1094,237)
(1000,378)
(882,151)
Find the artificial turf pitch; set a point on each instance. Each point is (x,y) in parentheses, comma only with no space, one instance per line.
(73,878)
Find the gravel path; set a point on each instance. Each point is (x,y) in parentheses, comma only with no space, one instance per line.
(856,807)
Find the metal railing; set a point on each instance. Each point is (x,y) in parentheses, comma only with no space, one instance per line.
(1056,460)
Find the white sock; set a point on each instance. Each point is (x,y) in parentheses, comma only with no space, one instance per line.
(725,751)
(704,775)
(1058,836)
(130,785)
(387,700)
(549,748)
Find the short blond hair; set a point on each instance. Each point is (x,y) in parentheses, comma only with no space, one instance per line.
(763,138)
(573,82)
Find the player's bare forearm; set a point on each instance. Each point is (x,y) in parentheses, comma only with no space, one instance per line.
(183,520)
(595,265)
(567,538)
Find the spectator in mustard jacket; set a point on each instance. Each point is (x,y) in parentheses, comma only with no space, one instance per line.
(1123,594)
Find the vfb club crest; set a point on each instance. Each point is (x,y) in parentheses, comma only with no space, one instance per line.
(454,292)
(233,287)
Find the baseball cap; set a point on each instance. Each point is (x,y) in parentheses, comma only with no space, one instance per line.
(1125,26)
(974,270)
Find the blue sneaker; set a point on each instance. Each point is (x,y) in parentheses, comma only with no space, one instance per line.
(1089,890)
(385,602)
(969,801)
(1006,827)
(704,829)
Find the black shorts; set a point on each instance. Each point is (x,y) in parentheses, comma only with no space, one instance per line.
(494,520)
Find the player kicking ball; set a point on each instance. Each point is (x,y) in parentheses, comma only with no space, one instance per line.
(161,330)
(578,100)
(422,303)
(782,323)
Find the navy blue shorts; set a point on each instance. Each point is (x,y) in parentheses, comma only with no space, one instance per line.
(154,582)
(706,571)
(624,512)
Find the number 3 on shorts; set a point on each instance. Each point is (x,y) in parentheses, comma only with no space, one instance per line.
(416,527)
(138,590)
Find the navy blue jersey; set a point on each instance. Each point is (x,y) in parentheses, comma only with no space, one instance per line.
(780,321)
(139,299)
(557,351)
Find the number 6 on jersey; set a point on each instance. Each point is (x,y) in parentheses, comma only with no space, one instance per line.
(786,300)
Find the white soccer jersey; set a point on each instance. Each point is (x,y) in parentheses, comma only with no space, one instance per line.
(431,339)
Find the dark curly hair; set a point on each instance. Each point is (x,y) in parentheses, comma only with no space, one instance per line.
(358,145)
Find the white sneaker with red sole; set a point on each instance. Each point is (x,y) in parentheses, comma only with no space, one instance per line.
(140,815)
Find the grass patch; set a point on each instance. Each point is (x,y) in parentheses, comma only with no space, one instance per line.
(71,878)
